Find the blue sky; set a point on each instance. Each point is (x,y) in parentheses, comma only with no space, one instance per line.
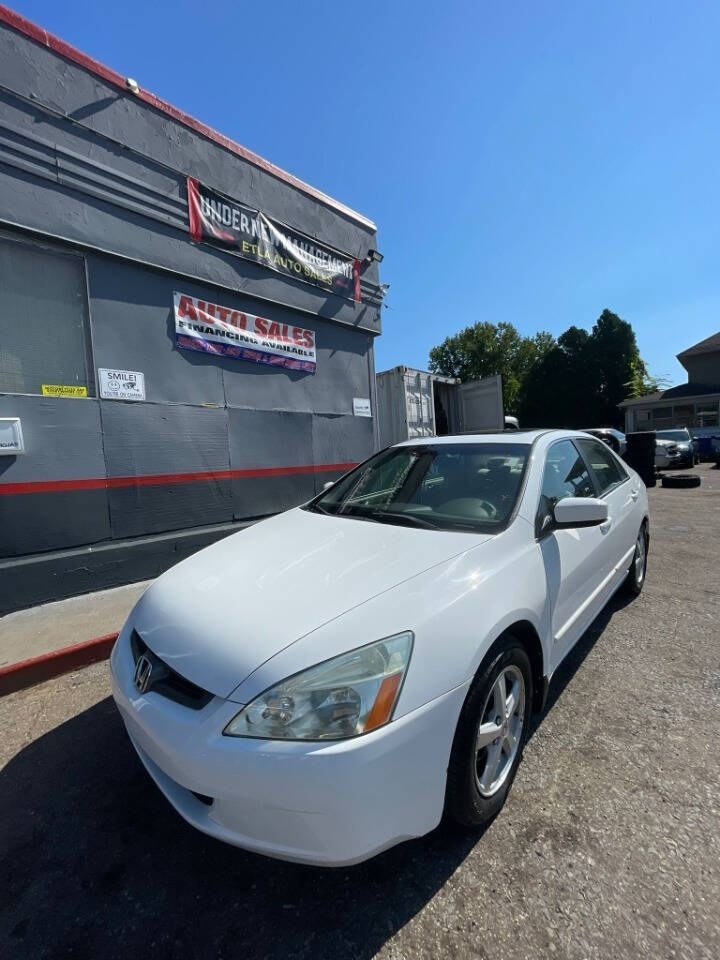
(531,162)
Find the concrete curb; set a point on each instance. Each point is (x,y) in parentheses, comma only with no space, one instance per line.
(18,676)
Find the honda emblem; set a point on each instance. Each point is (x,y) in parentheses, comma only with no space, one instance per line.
(143,673)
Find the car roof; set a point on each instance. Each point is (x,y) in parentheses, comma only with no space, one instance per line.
(601,430)
(526,437)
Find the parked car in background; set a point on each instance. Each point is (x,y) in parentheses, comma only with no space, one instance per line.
(615,439)
(665,454)
(328,682)
(686,454)
(667,450)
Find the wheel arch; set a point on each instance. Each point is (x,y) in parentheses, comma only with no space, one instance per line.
(525,631)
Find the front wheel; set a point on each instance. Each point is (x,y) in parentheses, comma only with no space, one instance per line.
(490,736)
(635,579)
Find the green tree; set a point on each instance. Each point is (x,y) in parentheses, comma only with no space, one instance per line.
(581,381)
(488,349)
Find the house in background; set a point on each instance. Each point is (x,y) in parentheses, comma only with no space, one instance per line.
(692,404)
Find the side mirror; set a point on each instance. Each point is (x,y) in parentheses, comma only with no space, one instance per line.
(330,483)
(579,512)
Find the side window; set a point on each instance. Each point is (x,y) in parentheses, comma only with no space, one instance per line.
(608,472)
(44,333)
(566,475)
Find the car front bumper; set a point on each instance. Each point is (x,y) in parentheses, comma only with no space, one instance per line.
(327,803)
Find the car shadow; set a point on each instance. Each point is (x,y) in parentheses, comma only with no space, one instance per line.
(97,864)
(577,655)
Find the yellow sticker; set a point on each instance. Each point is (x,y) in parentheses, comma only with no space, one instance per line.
(63,390)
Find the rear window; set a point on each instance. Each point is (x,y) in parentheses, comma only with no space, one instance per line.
(463,486)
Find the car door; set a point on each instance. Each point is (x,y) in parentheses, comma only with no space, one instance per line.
(571,558)
(621,493)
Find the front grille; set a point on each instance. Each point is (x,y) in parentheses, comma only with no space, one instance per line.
(166,681)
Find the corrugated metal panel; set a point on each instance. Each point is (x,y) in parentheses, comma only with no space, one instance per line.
(419,404)
(133,329)
(406,404)
(481,404)
(63,440)
(340,440)
(391,407)
(144,439)
(261,438)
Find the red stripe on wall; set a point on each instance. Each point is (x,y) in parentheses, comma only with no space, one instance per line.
(163,479)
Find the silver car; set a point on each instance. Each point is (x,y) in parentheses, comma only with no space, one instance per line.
(683,447)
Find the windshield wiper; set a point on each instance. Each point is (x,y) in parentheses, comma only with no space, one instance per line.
(409,519)
(317,508)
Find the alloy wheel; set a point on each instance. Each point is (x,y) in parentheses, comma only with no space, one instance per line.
(499,732)
(640,557)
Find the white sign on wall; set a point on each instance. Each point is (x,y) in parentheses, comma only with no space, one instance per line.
(122,384)
(361,407)
(11,438)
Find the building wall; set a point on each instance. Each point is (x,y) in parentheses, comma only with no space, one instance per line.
(688,412)
(91,170)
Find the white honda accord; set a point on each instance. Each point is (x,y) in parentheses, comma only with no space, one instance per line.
(330,681)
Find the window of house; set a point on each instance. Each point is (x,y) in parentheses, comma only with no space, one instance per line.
(606,469)
(684,415)
(705,417)
(44,331)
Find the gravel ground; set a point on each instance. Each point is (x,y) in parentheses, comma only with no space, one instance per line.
(609,845)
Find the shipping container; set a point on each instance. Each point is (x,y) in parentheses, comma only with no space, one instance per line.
(415,403)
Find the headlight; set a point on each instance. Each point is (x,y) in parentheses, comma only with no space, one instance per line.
(343,697)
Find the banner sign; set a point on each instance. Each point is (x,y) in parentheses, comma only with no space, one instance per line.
(210,328)
(226,223)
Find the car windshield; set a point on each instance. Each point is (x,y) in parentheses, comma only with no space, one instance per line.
(681,436)
(454,486)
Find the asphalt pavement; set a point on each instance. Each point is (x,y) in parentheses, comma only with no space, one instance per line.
(608,846)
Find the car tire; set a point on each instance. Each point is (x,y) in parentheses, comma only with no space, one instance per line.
(682,480)
(635,579)
(473,798)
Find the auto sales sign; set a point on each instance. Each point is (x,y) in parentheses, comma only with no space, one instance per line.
(210,328)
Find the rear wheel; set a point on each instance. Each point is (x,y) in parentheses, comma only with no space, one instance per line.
(635,579)
(490,735)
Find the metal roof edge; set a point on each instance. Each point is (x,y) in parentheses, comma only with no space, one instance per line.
(652,398)
(57,45)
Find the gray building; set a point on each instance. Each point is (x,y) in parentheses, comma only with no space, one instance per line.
(186,331)
(693,404)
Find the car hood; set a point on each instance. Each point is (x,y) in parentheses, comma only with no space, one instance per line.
(217,616)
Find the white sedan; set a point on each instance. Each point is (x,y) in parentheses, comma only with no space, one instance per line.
(330,681)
